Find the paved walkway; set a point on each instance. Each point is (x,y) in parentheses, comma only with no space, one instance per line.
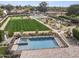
(3,19)
(4,25)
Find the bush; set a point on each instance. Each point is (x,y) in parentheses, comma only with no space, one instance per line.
(18,35)
(10,33)
(50,32)
(1,35)
(76,33)
(66,17)
(36,31)
(72,19)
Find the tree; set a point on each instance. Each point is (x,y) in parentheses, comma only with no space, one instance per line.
(31,8)
(8,7)
(42,7)
(1,12)
(73,10)
(19,7)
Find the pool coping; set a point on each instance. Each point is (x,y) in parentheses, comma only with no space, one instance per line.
(16,45)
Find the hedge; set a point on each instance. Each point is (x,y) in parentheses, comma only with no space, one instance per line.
(66,17)
(72,19)
(1,35)
(10,33)
(76,33)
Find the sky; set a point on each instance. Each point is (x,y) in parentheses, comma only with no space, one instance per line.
(36,3)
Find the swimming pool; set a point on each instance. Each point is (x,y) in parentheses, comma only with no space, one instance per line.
(37,43)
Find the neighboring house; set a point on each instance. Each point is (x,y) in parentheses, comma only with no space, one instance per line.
(17,11)
(56,13)
(5,12)
(20,10)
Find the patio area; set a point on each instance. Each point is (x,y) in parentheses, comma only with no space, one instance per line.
(72,51)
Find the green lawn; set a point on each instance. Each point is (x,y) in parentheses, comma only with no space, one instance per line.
(24,25)
(3,50)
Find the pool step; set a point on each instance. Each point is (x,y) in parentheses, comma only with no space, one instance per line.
(22,43)
(59,42)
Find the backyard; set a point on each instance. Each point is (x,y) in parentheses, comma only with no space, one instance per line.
(39,29)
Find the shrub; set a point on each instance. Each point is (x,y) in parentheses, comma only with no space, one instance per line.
(10,33)
(1,35)
(50,32)
(18,36)
(36,32)
(65,17)
(76,33)
(71,18)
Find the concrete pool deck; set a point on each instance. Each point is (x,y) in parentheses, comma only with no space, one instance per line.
(72,51)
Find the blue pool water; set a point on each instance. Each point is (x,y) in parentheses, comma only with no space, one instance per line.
(37,43)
